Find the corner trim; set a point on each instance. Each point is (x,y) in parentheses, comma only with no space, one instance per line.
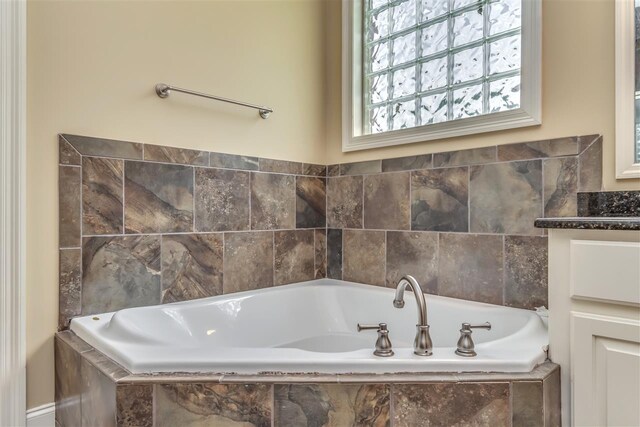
(42,416)
(13,70)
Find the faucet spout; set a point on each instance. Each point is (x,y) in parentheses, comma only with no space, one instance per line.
(422,345)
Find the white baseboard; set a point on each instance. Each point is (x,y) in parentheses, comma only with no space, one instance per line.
(42,416)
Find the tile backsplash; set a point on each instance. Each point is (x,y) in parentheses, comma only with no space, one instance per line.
(143,224)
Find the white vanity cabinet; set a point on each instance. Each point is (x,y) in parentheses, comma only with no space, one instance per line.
(594,324)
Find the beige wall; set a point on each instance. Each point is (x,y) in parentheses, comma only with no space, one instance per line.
(577,95)
(91,70)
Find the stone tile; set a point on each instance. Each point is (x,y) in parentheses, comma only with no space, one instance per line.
(413,253)
(527,403)
(439,199)
(539,149)
(386,201)
(585,141)
(273,201)
(134,405)
(233,161)
(120,272)
(359,168)
(158,198)
(70,282)
(470,267)
(551,399)
(320,250)
(222,200)
(89,146)
(472,156)
(104,365)
(98,397)
(506,197)
(560,186)
(69,200)
(333,170)
(334,254)
(526,271)
(422,161)
(331,405)
(72,340)
(590,167)
(280,166)
(68,384)
(469,404)
(364,257)
(102,196)
(246,405)
(314,170)
(311,202)
(248,261)
(344,202)
(159,153)
(294,256)
(67,155)
(191,266)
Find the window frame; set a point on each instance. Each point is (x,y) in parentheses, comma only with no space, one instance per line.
(626,168)
(529,113)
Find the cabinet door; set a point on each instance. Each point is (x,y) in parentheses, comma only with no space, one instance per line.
(605,371)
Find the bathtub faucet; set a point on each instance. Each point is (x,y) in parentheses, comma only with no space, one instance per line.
(422,345)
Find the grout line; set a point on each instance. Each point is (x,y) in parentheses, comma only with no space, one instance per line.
(193,201)
(468,198)
(69,166)
(504,270)
(124,201)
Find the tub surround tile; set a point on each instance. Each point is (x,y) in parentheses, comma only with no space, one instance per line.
(364,257)
(590,167)
(320,251)
(415,254)
(506,197)
(67,155)
(158,198)
(134,405)
(98,397)
(68,384)
(280,166)
(69,222)
(344,202)
(120,272)
(248,261)
(233,161)
(333,170)
(70,280)
(273,201)
(213,404)
(451,404)
(439,199)
(331,405)
(104,365)
(294,256)
(560,186)
(470,267)
(311,202)
(159,153)
(465,157)
(77,344)
(526,277)
(101,147)
(585,141)
(191,266)
(528,405)
(386,201)
(334,253)
(359,168)
(222,200)
(551,398)
(314,169)
(609,204)
(538,149)
(102,196)
(422,161)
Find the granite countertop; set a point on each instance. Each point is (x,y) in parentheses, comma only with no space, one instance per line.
(591,223)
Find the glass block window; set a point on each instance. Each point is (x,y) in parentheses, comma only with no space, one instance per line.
(432,61)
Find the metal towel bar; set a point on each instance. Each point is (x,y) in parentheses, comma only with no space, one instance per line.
(164,90)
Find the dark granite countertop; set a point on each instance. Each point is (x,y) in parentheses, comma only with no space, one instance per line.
(591,223)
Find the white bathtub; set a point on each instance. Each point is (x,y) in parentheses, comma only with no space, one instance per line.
(311,327)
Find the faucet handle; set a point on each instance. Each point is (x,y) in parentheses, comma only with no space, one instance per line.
(469,327)
(383,343)
(379,326)
(466,347)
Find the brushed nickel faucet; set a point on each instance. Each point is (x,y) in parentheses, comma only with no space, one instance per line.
(422,346)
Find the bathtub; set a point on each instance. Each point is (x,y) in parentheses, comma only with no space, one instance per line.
(310,327)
